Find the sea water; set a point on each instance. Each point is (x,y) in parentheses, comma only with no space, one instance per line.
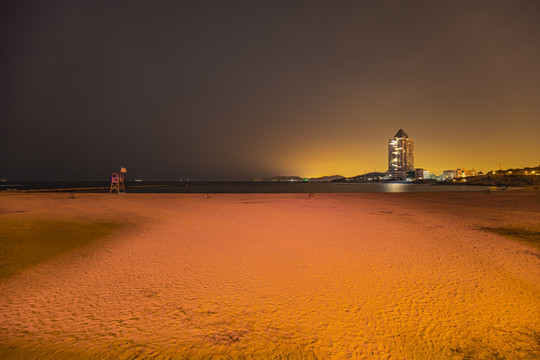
(232,187)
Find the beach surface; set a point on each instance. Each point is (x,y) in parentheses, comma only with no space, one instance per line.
(281,276)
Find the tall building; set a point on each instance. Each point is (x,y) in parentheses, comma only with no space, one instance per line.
(400,155)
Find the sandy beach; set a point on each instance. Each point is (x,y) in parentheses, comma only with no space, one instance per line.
(281,276)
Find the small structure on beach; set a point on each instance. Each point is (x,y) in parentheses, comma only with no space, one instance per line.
(117,182)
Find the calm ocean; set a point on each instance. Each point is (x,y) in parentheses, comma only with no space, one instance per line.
(232,187)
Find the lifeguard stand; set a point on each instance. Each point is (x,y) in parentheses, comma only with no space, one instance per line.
(117,182)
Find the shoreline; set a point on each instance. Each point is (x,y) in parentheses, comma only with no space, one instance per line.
(257,187)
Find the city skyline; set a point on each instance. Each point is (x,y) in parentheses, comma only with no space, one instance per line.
(243,90)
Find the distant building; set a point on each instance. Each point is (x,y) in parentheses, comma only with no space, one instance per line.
(400,155)
(458,173)
(461,173)
(421,174)
(449,174)
(417,174)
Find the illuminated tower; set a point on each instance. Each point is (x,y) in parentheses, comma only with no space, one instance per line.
(400,155)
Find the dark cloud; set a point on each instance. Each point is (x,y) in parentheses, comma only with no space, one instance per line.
(229,90)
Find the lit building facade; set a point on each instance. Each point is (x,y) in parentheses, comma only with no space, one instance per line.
(458,173)
(449,174)
(421,174)
(400,155)
(465,173)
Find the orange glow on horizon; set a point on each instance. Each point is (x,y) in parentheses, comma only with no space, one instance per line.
(348,156)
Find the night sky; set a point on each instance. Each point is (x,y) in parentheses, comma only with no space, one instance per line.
(229,90)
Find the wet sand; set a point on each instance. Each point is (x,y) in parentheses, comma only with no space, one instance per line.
(341,276)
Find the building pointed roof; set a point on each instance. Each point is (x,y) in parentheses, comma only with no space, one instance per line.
(401,134)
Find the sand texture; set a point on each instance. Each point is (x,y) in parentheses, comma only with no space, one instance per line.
(279,276)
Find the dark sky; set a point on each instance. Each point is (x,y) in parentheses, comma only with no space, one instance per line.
(247,89)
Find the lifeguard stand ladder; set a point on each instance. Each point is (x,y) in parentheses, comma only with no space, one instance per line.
(117,182)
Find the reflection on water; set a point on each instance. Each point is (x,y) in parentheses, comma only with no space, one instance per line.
(396,187)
